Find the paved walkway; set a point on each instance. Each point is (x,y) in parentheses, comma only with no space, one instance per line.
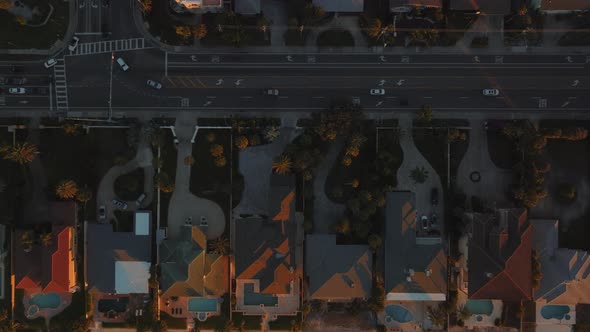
(326,212)
(106,188)
(491,26)
(413,158)
(553,30)
(185,206)
(348,23)
(276,13)
(494,182)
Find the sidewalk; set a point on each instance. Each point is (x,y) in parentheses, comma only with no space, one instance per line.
(457,49)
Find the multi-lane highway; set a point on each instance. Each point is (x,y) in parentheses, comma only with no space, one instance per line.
(307,82)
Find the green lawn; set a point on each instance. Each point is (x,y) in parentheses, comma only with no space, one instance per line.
(284,323)
(163,24)
(17,36)
(208,180)
(251,322)
(129,186)
(173,322)
(335,38)
(249,32)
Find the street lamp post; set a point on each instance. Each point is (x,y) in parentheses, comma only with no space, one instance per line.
(111,87)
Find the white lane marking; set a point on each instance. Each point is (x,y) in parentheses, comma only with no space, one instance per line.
(427,97)
(211,97)
(319,97)
(246,97)
(283,97)
(166,64)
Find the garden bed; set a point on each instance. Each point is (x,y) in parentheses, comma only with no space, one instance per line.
(335,38)
(168,161)
(248,33)
(502,150)
(128,187)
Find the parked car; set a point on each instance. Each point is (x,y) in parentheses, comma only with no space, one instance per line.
(491,92)
(50,63)
(119,204)
(271,92)
(140,199)
(424,222)
(122,63)
(102,212)
(377,92)
(73,44)
(434,196)
(16,80)
(17,91)
(154,84)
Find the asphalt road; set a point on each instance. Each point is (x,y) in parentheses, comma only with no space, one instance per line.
(236,81)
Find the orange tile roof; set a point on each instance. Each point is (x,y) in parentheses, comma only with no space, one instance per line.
(27,283)
(285,212)
(257,266)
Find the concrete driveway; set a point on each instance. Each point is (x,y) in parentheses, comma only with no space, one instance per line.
(412,159)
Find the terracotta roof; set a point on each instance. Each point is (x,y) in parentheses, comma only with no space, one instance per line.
(500,268)
(50,268)
(565,5)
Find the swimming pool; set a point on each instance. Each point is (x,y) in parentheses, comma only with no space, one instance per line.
(398,313)
(49,300)
(200,304)
(555,312)
(480,307)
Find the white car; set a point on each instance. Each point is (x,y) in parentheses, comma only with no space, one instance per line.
(17,91)
(377,92)
(50,63)
(154,84)
(73,44)
(122,63)
(271,92)
(102,212)
(491,92)
(119,204)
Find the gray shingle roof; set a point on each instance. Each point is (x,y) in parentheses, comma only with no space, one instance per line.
(105,247)
(341,6)
(337,271)
(247,7)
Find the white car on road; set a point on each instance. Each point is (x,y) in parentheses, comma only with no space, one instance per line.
(17,91)
(50,63)
(73,44)
(154,84)
(491,92)
(122,63)
(377,92)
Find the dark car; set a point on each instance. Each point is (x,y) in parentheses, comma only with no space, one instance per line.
(16,80)
(434,196)
(17,69)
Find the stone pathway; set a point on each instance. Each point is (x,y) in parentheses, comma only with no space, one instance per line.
(185,206)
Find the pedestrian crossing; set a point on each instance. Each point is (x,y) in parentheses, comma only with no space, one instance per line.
(61,86)
(108,46)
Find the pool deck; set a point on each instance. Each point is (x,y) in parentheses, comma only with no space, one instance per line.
(420,320)
(557,325)
(47,313)
(487,321)
(288,303)
(167,305)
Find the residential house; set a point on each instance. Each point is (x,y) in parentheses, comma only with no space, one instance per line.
(197,6)
(405,6)
(565,272)
(337,272)
(119,262)
(192,281)
(247,7)
(268,255)
(340,6)
(484,7)
(561,6)
(47,265)
(499,255)
(415,257)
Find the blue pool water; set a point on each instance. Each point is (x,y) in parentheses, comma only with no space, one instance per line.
(252,298)
(49,300)
(202,316)
(480,307)
(199,304)
(398,313)
(555,311)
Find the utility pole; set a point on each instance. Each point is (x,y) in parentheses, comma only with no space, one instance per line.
(111,88)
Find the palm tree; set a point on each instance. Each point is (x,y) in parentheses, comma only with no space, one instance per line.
(357,140)
(26,240)
(220,161)
(352,151)
(84,195)
(377,30)
(183,31)
(241,142)
(70,129)
(220,246)
(419,175)
(216,150)
(463,313)
(272,133)
(189,160)
(5,4)
(66,189)
(46,239)
(347,161)
(200,32)
(262,24)
(22,153)
(282,165)
(436,316)
(425,113)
